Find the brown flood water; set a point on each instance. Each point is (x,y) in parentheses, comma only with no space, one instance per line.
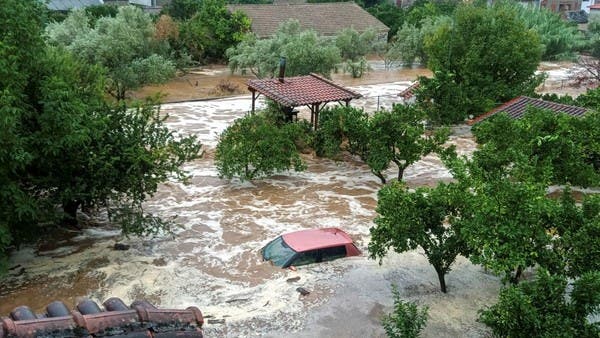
(213,262)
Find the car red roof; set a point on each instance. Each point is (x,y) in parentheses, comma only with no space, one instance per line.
(311,239)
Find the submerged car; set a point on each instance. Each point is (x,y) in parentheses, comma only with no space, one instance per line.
(309,246)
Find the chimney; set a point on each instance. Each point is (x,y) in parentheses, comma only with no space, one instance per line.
(281,68)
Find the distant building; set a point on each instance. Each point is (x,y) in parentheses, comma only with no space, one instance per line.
(67,5)
(325,18)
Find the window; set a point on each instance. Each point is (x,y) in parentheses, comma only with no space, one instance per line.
(336,252)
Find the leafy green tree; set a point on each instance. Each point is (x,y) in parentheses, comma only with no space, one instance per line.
(305,52)
(253,146)
(123,45)
(21,46)
(398,136)
(406,319)
(355,46)
(340,129)
(548,147)
(559,38)
(540,308)
(213,29)
(390,14)
(424,218)
(181,9)
(486,55)
(64,147)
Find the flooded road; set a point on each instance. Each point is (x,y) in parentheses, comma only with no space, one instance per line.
(213,260)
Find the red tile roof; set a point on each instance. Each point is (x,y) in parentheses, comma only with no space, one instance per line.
(325,18)
(410,91)
(302,90)
(517,107)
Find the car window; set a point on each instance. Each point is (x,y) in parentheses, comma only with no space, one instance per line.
(307,257)
(333,253)
(278,252)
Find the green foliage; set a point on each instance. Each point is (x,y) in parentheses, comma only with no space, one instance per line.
(485,56)
(253,146)
(540,309)
(398,136)
(390,14)
(406,319)
(63,147)
(354,45)
(181,9)
(213,29)
(98,11)
(408,44)
(424,218)
(123,45)
(593,44)
(548,147)
(305,52)
(340,126)
(559,37)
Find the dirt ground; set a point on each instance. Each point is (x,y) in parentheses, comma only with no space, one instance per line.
(216,81)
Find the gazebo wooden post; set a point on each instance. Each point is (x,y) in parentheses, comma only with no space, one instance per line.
(317,107)
(253,99)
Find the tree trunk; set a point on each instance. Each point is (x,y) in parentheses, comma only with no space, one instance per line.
(400,173)
(515,279)
(380,175)
(442,277)
(70,209)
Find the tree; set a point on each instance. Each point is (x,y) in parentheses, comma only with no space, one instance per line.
(305,52)
(406,320)
(549,147)
(181,9)
(253,146)
(64,147)
(425,218)
(486,55)
(123,45)
(540,308)
(398,136)
(355,46)
(560,38)
(214,29)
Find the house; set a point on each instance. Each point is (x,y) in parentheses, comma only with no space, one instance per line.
(517,107)
(67,5)
(325,18)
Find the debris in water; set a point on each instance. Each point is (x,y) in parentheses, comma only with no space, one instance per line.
(293,279)
(236,300)
(216,321)
(303,291)
(121,247)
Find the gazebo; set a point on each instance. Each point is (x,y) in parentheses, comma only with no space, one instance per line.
(312,90)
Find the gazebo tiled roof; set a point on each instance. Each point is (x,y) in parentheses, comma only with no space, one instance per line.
(302,90)
(409,92)
(517,107)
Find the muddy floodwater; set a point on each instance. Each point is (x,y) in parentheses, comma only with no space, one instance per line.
(213,260)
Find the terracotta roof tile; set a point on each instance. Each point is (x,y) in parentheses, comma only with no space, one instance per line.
(302,90)
(517,107)
(410,91)
(325,18)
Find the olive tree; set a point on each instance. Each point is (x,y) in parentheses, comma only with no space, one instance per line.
(306,52)
(124,45)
